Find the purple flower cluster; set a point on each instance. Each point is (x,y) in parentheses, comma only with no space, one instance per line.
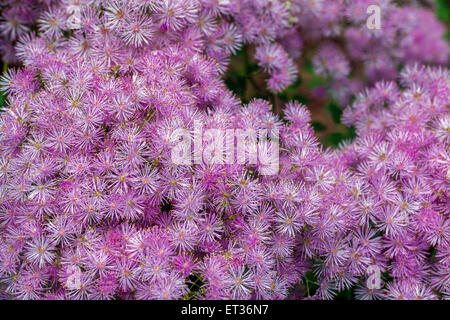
(333,32)
(92,205)
(402,157)
(16,20)
(87,181)
(215,28)
(350,55)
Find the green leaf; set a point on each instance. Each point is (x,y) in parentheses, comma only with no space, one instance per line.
(236,84)
(309,66)
(346,294)
(443,10)
(335,111)
(317,81)
(300,98)
(333,139)
(283,97)
(294,86)
(317,126)
(310,282)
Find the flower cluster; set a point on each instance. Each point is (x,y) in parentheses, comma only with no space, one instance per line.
(350,55)
(334,33)
(92,205)
(16,20)
(402,157)
(215,28)
(87,182)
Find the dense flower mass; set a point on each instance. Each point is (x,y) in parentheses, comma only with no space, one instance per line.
(333,32)
(402,157)
(215,28)
(92,205)
(16,20)
(87,181)
(351,55)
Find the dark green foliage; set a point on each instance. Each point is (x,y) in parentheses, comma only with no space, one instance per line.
(443,10)
(335,111)
(334,139)
(317,126)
